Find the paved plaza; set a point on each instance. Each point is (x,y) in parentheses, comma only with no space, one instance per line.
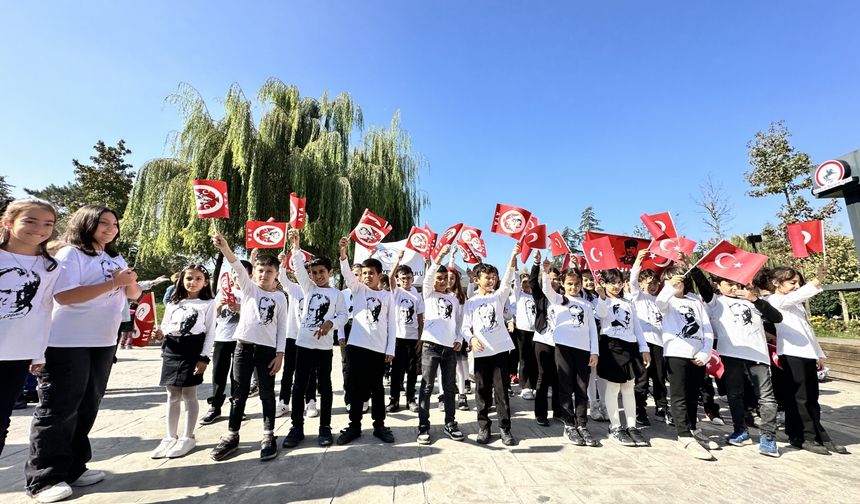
(540,469)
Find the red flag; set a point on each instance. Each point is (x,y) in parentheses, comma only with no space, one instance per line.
(210,197)
(630,245)
(559,246)
(419,241)
(730,262)
(714,366)
(259,234)
(599,254)
(672,248)
(659,225)
(510,220)
(533,237)
(468,256)
(225,285)
(298,216)
(806,238)
(289,259)
(470,239)
(370,230)
(144,320)
(432,237)
(447,238)
(579,262)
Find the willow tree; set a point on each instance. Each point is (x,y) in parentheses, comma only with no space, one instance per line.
(300,144)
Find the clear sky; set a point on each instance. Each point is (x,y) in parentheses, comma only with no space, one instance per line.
(553,106)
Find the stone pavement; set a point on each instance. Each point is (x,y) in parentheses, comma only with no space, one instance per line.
(541,469)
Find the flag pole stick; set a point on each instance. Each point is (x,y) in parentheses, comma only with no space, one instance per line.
(702,258)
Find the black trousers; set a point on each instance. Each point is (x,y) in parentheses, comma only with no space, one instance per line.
(222,360)
(433,357)
(802,410)
(527,366)
(344,359)
(247,358)
(708,395)
(71,387)
(310,391)
(547,377)
(405,362)
(12,377)
(573,373)
(685,379)
(490,378)
(656,372)
(310,363)
(364,382)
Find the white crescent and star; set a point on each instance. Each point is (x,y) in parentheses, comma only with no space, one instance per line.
(720,257)
(661,224)
(591,254)
(806,237)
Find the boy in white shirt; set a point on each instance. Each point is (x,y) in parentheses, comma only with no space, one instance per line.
(409,310)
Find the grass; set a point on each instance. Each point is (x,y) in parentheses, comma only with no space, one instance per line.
(824,333)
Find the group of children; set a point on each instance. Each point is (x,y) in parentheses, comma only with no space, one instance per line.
(591,342)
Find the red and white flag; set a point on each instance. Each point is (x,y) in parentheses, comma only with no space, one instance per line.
(268,234)
(144,320)
(510,220)
(447,238)
(225,287)
(558,245)
(419,240)
(432,236)
(714,366)
(599,254)
(370,231)
(659,225)
(806,238)
(289,259)
(468,256)
(733,263)
(672,248)
(534,237)
(576,260)
(298,215)
(210,197)
(470,239)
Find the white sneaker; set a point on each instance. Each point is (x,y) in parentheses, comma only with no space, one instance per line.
(281,409)
(89,477)
(311,410)
(54,493)
(528,394)
(365,407)
(691,446)
(182,447)
(704,440)
(163,447)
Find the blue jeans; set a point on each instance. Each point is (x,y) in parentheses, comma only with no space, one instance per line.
(433,356)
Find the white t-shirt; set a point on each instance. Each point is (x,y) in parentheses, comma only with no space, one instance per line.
(373,317)
(26,299)
(650,317)
(572,319)
(264,313)
(93,323)
(738,329)
(483,319)
(189,317)
(226,320)
(442,310)
(407,306)
(295,300)
(618,320)
(317,306)
(687,329)
(794,335)
(524,319)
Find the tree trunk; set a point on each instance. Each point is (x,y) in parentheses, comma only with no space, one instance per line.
(213,283)
(808,309)
(844,303)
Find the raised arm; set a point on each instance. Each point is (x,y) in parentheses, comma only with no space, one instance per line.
(534,275)
(704,286)
(505,286)
(546,289)
(635,291)
(392,275)
(346,271)
(242,276)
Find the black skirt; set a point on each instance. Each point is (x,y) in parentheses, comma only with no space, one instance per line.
(619,359)
(180,355)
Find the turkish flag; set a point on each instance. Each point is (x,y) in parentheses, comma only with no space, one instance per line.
(534,237)
(225,286)
(432,237)
(298,215)
(510,220)
(806,238)
(210,198)
(579,262)
(730,262)
(672,248)
(559,246)
(144,320)
(370,230)
(599,254)
(630,245)
(289,259)
(259,234)
(419,240)
(714,366)
(659,225)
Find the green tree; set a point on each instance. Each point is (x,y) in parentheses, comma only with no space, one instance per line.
(5,191)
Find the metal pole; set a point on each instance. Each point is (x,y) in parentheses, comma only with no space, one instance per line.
(852,206)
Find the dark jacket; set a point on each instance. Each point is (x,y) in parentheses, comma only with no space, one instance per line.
(541,303)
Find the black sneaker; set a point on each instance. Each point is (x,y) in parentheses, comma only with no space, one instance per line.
(393,406)
(294,437)
(325,438)
(210,416)
(749,419)
(621,437)
(573,436)
(268,447)
(412,405)
(254,390)
(508,438)
(462,403)
(348,434)
(542,421)
(225,447)
(586,436)
(642,420)
(384,433)
(20,404)
(453,431)
(483,436)
(637,437)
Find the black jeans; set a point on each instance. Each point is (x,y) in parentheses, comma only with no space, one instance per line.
(657,373)
(247,358)
(71,387)
(12,377)
(405,362)
(344,359)
(366,368)
(490,377)
(434,356)
(547,377)
(310,390)
(573,372)
(527,366)
(222,359)
(708,395)
(310,363)
(685,379)
(802,410)
(737,372)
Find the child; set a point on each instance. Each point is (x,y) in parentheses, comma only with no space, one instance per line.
(441,343)
(371,346)
(344,330)
(461,357)
(623,352)
(483,325)
(687,342)
(321,311)
(544,346)
(409,307)
(188,331)
(27,277)
(596,385)
(801,357)
(644,287)
(576,352)
(524,329)
(261,336)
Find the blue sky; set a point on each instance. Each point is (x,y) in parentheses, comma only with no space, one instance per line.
(553,106)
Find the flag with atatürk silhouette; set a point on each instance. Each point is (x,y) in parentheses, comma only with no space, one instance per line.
(447,238)
(144,320)
(298,215)
(225,287)
(288,261)
(370,231)
(210,198)
(265,234)
(419,241)
(510,220)
(732,263)
(806,238)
